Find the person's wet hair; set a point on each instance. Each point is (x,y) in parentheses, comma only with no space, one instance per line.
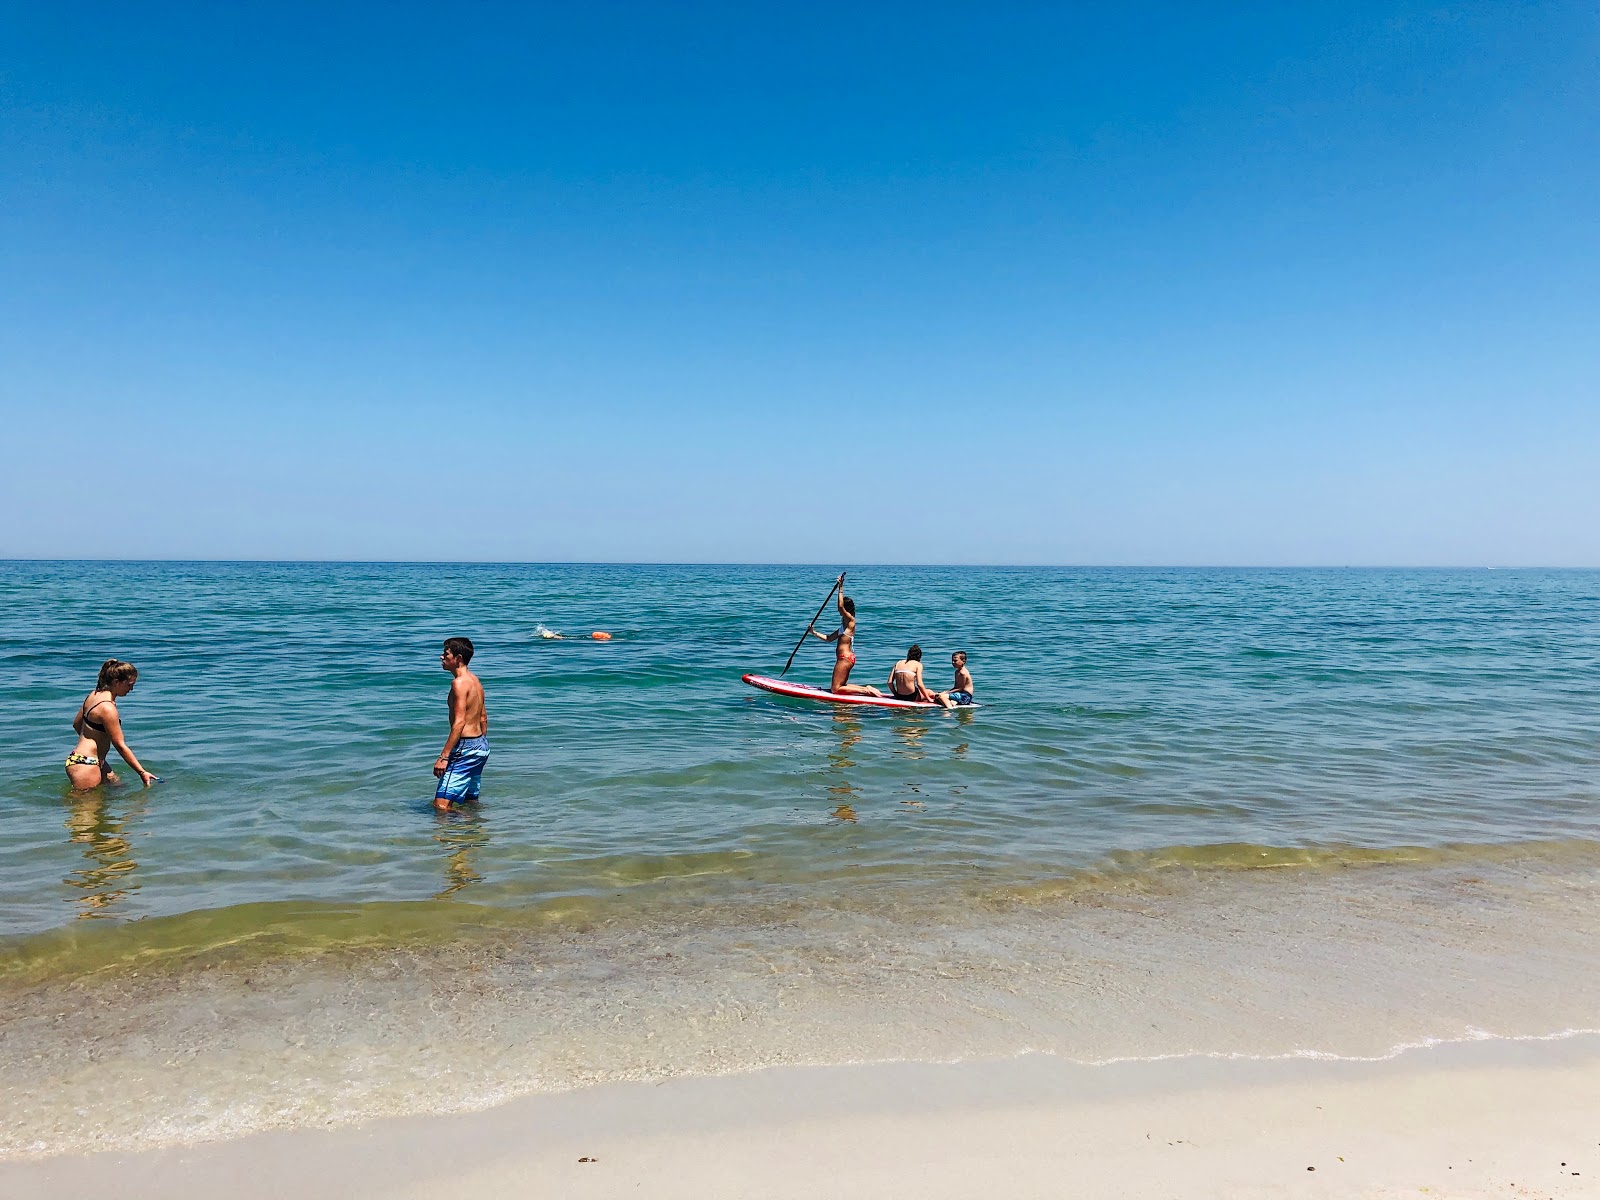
(849,605)
(114,670)
(915,653)
(460,647)
(961,654)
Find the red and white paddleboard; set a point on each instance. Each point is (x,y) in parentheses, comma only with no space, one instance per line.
(804,691)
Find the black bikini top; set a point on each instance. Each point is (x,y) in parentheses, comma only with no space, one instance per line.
(87,719)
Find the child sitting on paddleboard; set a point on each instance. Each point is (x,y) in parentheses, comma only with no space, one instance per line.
(844,654)
(961,691)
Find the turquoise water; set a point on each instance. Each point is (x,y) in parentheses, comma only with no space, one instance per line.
(1146,740)
(295,710)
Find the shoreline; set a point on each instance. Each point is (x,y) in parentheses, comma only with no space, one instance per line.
(1330,966)
(1465,1119)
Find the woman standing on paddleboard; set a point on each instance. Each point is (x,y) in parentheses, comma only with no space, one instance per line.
(844,640)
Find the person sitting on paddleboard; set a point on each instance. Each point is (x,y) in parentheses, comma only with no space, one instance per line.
(905,678)
(844,654)
(961,691)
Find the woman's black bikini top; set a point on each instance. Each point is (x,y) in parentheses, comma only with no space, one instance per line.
(87,719)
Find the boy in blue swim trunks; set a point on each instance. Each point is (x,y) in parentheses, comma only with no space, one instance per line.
(459,766)
(961,691)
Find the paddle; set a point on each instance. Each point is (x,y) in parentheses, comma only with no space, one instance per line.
(837,584)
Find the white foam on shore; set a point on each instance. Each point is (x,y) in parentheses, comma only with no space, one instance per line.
(1471,1037)
(1356,965)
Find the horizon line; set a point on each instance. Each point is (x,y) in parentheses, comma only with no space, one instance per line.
(1078,566)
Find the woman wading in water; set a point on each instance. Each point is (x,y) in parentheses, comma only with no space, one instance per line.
(844,652)
(99,727)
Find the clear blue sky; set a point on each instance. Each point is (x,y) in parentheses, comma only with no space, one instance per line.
(1158,283)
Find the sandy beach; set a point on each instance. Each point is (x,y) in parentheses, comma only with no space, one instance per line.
(1462,1120)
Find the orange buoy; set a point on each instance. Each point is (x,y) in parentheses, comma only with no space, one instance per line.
(600,637)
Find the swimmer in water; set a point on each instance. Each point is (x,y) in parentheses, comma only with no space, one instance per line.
(844,653)
(99,727)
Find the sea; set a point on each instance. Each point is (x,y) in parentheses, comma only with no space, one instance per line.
(1197,812)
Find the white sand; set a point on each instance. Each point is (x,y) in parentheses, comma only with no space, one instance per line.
(1486,1119)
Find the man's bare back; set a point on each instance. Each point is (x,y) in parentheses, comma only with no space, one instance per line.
(466,697)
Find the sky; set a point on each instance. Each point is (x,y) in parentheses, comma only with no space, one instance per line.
(1192,283)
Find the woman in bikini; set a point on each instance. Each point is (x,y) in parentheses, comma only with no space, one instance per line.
(99,727)
(844,654)
(905,678)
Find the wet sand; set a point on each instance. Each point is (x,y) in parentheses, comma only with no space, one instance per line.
(1462,1120)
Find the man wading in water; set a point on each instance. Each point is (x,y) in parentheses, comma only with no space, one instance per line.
(459,766)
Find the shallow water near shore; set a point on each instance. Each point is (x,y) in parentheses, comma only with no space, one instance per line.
(1234,812)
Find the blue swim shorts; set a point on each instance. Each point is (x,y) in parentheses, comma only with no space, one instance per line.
(961,697)
(464,772)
